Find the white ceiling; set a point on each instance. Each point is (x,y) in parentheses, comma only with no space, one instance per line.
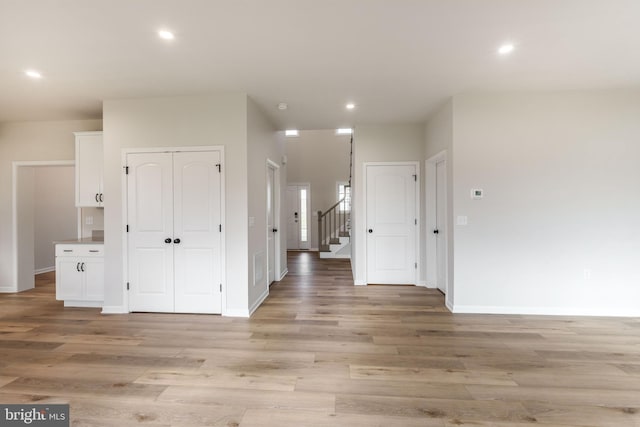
(396,59)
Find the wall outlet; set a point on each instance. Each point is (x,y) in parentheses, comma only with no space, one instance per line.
(88,220)
(462,220)
(587,274)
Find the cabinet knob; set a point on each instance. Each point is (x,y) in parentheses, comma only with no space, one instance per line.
(78,266)
(100,198)
(176,241)
(167,240)
(97,199)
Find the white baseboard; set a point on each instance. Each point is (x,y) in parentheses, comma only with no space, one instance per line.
(236,313)
(422,283)
(45,270)
(284,273)
(359,283)
(87,304)
(259,301)
(449,305)
(547,311)
(8,289)
(114,309)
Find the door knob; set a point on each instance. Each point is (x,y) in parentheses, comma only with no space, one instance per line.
(167,240)
(176,241)
(436,231)
(275,230)
(371,230)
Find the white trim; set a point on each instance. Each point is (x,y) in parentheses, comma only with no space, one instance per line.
(548,311)
(89,304)
(7,289)
(359,283)
(430,224)
(125,246)
(115,309)
(448,304)
(422,283)
(234,312)
(14,210)
(259,301)
(283,274)
(276,219)
(416,165)
(44,270)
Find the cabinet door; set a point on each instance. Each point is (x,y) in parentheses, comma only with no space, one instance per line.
(93,279)
(68,278)
(89,160)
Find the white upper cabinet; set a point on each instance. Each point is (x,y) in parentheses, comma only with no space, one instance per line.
(89,169)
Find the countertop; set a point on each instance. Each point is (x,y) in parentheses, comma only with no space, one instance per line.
(85,241)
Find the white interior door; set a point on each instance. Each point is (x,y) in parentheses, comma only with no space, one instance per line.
(150,238)
(271,224)
(391,224)
(196,234)
(441,228)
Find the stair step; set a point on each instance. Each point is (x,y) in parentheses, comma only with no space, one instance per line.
(344,234)
(325,248)
(334,241)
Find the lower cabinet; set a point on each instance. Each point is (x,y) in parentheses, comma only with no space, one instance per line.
(80,274)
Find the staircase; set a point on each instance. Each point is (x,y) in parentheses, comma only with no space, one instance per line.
(334,229)
(334,225)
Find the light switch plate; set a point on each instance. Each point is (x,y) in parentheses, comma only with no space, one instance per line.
(462,220)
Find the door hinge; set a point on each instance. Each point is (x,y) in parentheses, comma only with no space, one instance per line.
(415,265)
(220,287)
(127,285)
(127,228)
(219,166)
(220,228)
(126,170)
(416,221)
(415,178)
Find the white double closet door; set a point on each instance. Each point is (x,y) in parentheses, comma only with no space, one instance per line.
(174,239)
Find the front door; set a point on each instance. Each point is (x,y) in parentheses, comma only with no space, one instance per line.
(298,217)
(391,221)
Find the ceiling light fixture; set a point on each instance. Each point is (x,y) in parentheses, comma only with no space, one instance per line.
(166,35)
(506,49)
(282,106)
(33,74)
(344,131)
(350,106)
(291,132)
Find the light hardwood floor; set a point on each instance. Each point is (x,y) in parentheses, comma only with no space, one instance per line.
(320,352)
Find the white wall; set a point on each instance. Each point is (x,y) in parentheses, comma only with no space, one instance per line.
(262,145)
(55,215)
(29,141)
(173,122)
(379,143)
(560,174)
(438,142)
(320,158)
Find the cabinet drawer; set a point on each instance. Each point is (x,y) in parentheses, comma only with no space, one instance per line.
(79,250)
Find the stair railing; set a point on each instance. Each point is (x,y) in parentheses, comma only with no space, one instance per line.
(332,224)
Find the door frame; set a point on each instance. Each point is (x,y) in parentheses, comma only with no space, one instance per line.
(431,216)
(363,227)
(276,221)
(15,185)
(125,208)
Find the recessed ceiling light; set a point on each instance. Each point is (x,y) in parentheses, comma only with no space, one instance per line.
(350,106)
(33,74)
(344,131)
(283,106)
(291,132)
(166,35)
(506,49)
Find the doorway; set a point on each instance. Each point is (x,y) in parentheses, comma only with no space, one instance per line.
(298,216)
(42,214)
(392,230)
(437,225)
(273,221)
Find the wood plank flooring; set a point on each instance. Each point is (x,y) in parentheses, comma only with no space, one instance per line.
(320,352)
